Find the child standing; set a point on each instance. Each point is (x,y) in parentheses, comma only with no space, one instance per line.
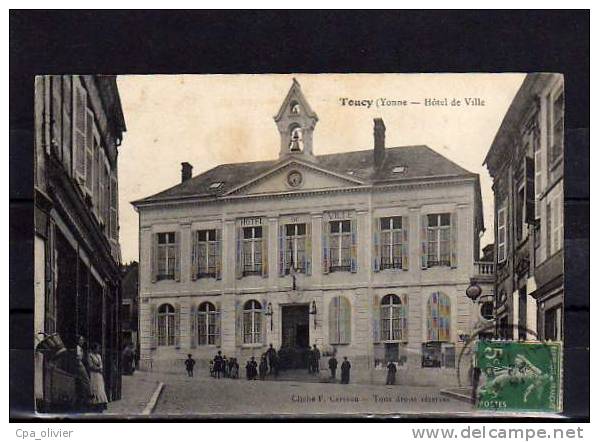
(189,363)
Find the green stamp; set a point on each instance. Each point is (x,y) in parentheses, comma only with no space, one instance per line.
(519,376)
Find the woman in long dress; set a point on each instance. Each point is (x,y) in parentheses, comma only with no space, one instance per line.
(82,381)
(99,400)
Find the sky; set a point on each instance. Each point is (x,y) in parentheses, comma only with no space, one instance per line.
(209,120)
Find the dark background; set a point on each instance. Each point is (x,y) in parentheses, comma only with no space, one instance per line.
(145,42)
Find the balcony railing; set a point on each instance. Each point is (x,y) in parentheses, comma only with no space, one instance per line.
(484,268)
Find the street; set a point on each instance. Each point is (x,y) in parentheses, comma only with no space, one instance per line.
(203,395)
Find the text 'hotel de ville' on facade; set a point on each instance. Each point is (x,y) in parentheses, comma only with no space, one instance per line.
(367,254)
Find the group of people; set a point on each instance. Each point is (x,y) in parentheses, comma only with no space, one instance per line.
(269,364)
(91,392)
(345,369)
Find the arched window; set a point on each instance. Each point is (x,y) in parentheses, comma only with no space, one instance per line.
(296,142)
(166,325)
(393,319)
(438,318)
(339,320)
(207,324)
(252,322)
(295,108)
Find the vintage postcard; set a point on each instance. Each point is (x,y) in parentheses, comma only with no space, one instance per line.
(299,245)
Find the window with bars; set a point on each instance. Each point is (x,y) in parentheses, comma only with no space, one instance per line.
(166,259)
(166,325)
(295,247)
(252,322)
(391,242)
(393,319)
(207,324)
(340,245)
(439,240)
(207,253)
(252,250)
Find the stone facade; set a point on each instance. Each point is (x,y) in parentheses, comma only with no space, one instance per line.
(301,188)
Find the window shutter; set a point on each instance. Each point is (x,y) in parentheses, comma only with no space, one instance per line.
(424,241)
(239,254)
(238,324)
(334,320)
(194,255)
(376,241)
(193,325)
(405,242)
(89,152)
(548,222)
(376,318)
(265,251)
(454,239)
(67,130)
(177,256)
(530,191)
(177,325)
(56,112)
(219,253)
(282,254)
(217,324)
(326,252)
(308,247)
(344,320)
(154,257)
(354,245)
(153,326)
(79,120)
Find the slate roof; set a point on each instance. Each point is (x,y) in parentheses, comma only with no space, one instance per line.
(419,161)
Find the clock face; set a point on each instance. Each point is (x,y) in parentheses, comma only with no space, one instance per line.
(294,178)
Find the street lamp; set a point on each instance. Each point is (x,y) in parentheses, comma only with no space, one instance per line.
(473,291)
(269,313)
(313,311)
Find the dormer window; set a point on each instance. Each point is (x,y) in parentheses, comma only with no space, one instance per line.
(399,169)
(216,185)
(295,108)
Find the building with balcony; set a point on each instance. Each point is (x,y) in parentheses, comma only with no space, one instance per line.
(526,164)
(366,254)
(78,128)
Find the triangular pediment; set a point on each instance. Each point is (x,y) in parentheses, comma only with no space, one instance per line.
(295,176)
(295,94)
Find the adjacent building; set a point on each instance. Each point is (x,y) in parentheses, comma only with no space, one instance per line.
(78,128)
(527,167)
(130,304)
(367,254)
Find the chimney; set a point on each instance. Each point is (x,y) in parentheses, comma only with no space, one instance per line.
(379,142)
(186,170)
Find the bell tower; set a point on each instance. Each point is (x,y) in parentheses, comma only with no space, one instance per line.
(295,122)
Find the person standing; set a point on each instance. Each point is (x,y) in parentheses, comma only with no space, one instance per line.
(234,368)
(271,354)
(189,363)
(127,358)
(225,366)
(333,367)
(345,368)
(263,368)
(250,369)
(275,365)
(391,370)
(99,401)
(218,364)
(82,385)
(315,359)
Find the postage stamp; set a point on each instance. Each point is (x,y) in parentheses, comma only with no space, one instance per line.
(519,376)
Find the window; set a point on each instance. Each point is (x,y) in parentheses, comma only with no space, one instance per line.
(339,320)
(553,324)
(79,130)
(295,247)
(340,246)
(520,210)
(207,253)
(295,108)
(252,250)
(89,151)
(487,310)
(501,234)
(166,325)
(166,255)
(252,322)
(207,324)
(538,164)
(391,242)
(296,144)
(393,319)
(438,354)
(438,318)
(114,228)
(554,224)
(439,244)
(557,127)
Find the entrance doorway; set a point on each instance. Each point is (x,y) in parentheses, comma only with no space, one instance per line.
(295,336)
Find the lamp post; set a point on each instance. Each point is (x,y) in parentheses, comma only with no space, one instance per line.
(269,313)
(473,292)
(313,311)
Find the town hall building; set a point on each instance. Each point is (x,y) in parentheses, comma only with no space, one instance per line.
(367,254)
